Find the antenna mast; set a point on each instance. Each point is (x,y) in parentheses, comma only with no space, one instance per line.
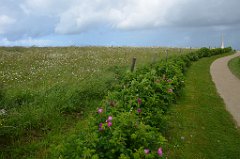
(222,45)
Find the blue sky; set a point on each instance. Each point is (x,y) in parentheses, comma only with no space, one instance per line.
(176,23)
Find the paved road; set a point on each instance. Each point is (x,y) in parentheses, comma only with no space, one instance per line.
(228,86)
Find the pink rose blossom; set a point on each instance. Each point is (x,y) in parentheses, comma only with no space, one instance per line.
(139,110)
(160,153)
(146,151)
(170,90)
(109,118)
(101,127)
(100,110)
(139,100)
(109,124)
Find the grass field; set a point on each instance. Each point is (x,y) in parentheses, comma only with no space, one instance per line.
(200,127)
(48,92)
(234,66)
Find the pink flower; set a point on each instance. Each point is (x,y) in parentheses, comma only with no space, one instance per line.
(146,151)
(170,90)
(139,100)
(139,110)
(100,110)
(109,124)
(109,118)
(160,153)
(101,127)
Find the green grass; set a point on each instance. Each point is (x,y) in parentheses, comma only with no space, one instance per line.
(200,127)
(48,93)
(234,66)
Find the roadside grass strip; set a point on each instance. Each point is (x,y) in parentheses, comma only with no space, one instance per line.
(234,66)
(200,125)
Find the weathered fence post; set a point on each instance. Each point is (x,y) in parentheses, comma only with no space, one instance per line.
(133,64)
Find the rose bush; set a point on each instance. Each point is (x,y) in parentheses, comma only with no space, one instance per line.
(131,119)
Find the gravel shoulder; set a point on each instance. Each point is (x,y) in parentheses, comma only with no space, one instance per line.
(228,85)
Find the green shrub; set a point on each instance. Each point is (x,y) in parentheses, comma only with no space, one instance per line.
(127,135)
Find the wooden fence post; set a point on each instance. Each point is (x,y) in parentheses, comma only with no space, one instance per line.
(133,64)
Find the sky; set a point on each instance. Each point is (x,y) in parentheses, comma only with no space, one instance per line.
(173,23)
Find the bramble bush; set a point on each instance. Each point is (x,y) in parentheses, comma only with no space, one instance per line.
(131,119)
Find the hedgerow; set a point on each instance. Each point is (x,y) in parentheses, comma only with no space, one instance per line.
(131,119)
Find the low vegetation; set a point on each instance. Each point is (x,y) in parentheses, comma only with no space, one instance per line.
(49,93)
(234,66)
(127,121)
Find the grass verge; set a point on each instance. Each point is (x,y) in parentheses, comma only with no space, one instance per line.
(234,66)
(200,127)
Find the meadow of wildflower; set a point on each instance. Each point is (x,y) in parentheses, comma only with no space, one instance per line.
(47,92)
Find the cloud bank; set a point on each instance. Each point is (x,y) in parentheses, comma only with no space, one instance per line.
(36,18)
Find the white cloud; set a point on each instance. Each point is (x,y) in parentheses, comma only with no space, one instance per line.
(42,17)
(205,13)
(25,42)
(5,21)
(79,18)
(141,14)
(126,15)
(47,7)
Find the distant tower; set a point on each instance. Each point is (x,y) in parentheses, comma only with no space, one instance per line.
(222,45)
